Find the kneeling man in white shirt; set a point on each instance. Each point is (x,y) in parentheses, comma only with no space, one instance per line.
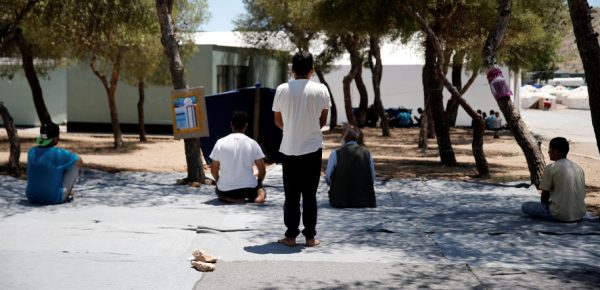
(233,159)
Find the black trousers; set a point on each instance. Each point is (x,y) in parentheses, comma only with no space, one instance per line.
(246,193)
(301,176)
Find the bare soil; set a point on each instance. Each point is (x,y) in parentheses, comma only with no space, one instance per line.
(396,156)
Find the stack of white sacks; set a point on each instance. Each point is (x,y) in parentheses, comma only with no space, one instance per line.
(576,98)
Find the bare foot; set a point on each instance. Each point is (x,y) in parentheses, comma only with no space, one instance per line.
(290,242)
(312,242)
(261,195)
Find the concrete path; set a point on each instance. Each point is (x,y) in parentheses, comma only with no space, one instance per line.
(137,230)
(575,125)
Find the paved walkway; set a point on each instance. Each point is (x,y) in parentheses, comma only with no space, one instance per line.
(575,125)
(136,231)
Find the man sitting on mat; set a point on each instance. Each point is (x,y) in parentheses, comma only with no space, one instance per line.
(51,171)
(233,158)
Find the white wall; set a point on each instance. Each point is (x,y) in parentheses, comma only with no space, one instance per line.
(401,85)
(16,95)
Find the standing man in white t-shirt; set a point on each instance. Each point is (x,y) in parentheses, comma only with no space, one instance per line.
(301,108)
(233,158)
(562,185)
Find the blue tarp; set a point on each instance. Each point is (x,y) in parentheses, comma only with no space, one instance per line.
(220,108)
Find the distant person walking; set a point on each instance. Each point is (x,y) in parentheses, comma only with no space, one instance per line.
(300,109)
(51,171)
(562,185)
(233,159)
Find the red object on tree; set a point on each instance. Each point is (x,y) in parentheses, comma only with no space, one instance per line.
(498,84)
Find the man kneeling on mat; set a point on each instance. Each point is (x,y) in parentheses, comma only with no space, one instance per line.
(233,158)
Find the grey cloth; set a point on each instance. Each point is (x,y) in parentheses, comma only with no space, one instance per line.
(69,179)
(352,182)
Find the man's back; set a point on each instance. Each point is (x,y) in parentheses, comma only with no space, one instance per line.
(565,181)
(236,154)
(352,179)
(301,103)
(45,169)
(490,121)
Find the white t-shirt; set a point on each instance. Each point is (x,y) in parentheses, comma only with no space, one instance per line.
(301,103)
(565,181)
(236,154)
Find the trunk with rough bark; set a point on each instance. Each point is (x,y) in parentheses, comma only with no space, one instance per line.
(111,91)
(351,43)
(140,110)
(425,122)
(434,85)
(528,144)
(589,51)
(452,105)
(377,72)
(363,105)
(478,130)
(32,78)
(193,157)
(333,110)
(13,139)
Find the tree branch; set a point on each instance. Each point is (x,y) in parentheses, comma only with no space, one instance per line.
(98,73)
(10,32)
(469,83)
(496,35)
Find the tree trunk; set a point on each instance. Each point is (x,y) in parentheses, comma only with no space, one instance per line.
(452,105)
(351,42)
(434,85)
(589,51)
(193,159)
(13,139)
(533,155)
(333,110)
(478,130)
(140,109)
(377,72)
(111,91)
(364,97)
(32,79)
(425,121)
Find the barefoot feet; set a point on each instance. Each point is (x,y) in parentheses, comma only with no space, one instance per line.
(261,195)
(312,242)
(290,242)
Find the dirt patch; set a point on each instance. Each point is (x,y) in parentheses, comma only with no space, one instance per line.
(396,156)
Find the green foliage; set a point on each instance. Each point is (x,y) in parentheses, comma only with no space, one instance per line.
(534,34)
(48,51)
(145,60)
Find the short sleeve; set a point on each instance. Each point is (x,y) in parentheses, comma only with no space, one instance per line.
(326,98)
(546,183)
(258,153)
(277,101)
(215,153)
(66,159)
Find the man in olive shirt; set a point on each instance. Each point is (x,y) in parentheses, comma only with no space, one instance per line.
(562,185)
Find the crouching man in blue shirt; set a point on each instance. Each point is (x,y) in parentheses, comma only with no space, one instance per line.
(51,171)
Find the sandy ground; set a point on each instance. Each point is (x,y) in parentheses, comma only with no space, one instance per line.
(395,157)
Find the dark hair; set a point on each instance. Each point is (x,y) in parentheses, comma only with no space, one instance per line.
(352,133)
(302,63)
(239,120)
(492,112)
(561,144)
